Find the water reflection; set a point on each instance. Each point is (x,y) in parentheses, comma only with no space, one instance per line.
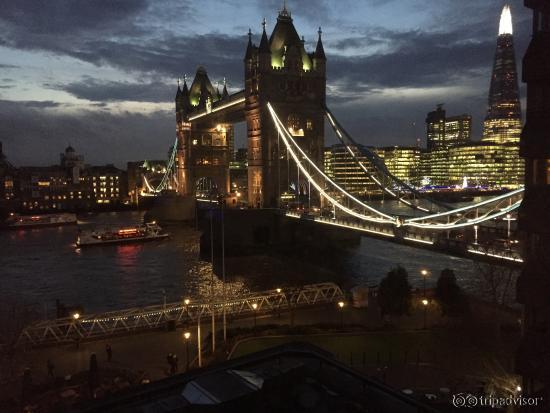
(42,265)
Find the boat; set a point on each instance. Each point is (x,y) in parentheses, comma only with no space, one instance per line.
(16,221)
(148,232)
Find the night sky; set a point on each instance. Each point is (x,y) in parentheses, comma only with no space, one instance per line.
(101,74)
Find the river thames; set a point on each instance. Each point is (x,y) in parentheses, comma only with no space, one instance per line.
(42,265)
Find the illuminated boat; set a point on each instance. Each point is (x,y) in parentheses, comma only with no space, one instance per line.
(16,221)
(148,232)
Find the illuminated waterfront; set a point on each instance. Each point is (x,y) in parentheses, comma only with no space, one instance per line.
(41,265)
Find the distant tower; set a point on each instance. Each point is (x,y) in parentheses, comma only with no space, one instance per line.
(503,121)
(533,288)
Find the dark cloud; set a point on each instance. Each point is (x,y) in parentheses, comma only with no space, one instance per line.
(101,137)
(453,47)
(170,55)
(41,104)
(63,17)
(98,90)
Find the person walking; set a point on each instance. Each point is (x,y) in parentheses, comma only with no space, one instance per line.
(170,360)
(175,360)
(109,351)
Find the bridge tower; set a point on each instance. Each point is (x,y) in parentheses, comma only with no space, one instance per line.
(280,71)
(204,141)
(533,288)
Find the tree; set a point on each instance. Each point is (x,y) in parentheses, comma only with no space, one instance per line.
(497,282)
(450,296)
(394,293)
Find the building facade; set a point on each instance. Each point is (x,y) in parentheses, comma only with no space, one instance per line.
(340,166)
(486,164)
(403,162)
(533,286)
(442,134)
(71,185)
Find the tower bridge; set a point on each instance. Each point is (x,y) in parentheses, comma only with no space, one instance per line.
(284,106)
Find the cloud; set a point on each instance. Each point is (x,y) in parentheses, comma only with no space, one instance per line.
(381,76)
(98,90)
(101,137)
(42,104)
(63,17)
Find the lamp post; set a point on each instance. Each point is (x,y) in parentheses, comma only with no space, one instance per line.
(223,273)
(199,349)
(475,234)
(424,300)
(212,278)
(163,291)
(425,303)
(187,336)
(254,307)
(341,305)
(279,303)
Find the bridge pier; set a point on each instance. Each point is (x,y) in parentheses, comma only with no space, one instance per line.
(264,231)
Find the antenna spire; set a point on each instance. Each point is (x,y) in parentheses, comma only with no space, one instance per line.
(505,26)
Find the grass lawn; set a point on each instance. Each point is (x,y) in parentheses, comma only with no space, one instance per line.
(446,352)
(379,345)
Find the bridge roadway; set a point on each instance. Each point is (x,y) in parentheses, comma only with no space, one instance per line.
(442,242)
(115,323)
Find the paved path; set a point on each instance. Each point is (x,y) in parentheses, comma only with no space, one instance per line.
(147,351)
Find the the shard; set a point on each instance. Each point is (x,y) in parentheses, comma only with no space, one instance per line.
(503,121)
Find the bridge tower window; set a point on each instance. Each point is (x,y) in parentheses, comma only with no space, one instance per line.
(294,126)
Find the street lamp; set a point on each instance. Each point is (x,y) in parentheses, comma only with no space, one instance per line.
(76,316)
(341,305)
(279,303)
(254,307)
(186,301)
(424,300)
(425,303)
(187,336)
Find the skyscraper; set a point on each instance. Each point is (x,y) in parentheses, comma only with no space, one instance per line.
(503,121)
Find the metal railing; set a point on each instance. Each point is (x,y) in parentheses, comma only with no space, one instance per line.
(97,326)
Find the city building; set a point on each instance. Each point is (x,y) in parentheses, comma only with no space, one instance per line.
(494,162)
(71,185)
(444,132)
(503,121)
(7,172)
(345,171)
(486,164)
(107,184)
(403,162)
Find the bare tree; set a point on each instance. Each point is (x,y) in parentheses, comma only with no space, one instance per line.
(496,282)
